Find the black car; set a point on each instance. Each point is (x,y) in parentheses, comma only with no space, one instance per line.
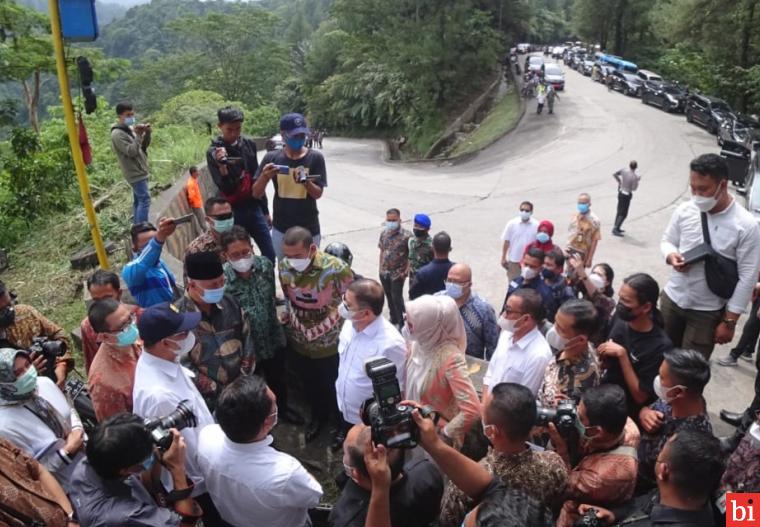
(707,111)
(627,83)
(664,95)
(738,130)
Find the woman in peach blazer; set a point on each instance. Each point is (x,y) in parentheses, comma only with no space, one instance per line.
(436,371)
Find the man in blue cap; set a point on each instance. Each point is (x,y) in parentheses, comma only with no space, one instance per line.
(299,177)
(161,383)
(420,246)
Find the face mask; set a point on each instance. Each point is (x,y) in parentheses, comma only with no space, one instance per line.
(542,237)
(221,226)
(580,427)
(7,316)
(274,423)
(391,225)
(129,121)
(27,383)
(624,313)
(213,296)
(528,273)
(555,340)
(295,143)
(754,433)
(548,275)
(185,345)
(419,233)
(705,203)
(454,290)
(345,313)
(583,208)
(507,324)
(299,264)
(128,335)
(598,281)
(243,265)
(525,215)
(661,392)
(148,463)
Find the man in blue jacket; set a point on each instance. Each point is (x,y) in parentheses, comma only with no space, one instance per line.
(148,278)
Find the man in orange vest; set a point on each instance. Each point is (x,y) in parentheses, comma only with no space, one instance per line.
(194,198)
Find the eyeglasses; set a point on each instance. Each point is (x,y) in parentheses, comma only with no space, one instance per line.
(132,320)
(509,311)
(525,210)
(225,216)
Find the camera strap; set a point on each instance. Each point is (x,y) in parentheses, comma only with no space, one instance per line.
(45,412)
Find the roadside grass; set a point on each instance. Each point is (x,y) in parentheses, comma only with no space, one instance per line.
(502,117)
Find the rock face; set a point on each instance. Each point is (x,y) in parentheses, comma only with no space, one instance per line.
(87,258)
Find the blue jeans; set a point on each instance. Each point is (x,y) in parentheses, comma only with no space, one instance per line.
(250,216)
(141,203)
(277,238)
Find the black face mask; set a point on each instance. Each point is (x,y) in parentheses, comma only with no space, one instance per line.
(548,275)
(420,233)
(7,316)
(624,313)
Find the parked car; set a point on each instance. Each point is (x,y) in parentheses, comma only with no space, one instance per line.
(534,63)
(707,111)
(627,83)
(749,189)
(585,67)
(664,95)
(646,75)
(554,75)
(558,52)
(738,130)
(275,142)
(523,48)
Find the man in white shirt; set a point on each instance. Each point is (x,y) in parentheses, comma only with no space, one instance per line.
(365,335)
(161,383)
(518,233)
(695,317)
(252,484)
(522,353)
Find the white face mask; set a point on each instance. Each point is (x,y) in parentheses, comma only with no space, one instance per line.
(754,433)
(528,273)
(299,264)
(555,340)
(243,265)
(598,281)
(185,345)
(507,324)
(525,215)
(344,312)
(660,391)
(706,203)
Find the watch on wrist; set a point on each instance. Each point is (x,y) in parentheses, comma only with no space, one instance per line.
(729,321)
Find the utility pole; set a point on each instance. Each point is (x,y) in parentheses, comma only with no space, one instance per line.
(76,150)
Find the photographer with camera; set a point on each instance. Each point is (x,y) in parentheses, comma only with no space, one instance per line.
(299,177)
(161,384)
(688,471)
(112,487)
(415,486)
(112,375)
(23,327)
(36,416)
(252,484)
(149,279)
(606,471)
(130,142)
(232,162)
(508,419)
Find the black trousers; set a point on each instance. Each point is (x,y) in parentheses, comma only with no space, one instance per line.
(211,517)
(273,371)
(394,293)
(623,204)
(750,333)
(318,377)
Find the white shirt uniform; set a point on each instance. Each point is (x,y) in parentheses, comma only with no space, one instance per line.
(734,233)
(519,234)
(522,362)
(353,386)
(254,485)
(28,432)
(160,385)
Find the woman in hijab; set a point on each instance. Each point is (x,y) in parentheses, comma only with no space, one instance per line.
(436,371)
(543,239)
(36,416)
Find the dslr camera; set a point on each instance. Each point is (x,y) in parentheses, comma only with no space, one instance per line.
(391,422)
(563,416)
(159,427)
(50,349)
(589,519)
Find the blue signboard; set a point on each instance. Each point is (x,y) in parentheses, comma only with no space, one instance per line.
(78,20)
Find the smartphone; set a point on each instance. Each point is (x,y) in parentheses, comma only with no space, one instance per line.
(187,218)
(283,169)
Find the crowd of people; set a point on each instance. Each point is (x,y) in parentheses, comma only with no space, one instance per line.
(592,403)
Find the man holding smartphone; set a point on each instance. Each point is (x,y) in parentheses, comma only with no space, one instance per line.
(130,144)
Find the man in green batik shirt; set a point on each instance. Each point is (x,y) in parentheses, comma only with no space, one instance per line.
(420,246)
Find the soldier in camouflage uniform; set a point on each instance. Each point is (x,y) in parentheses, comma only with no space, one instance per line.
(420,246)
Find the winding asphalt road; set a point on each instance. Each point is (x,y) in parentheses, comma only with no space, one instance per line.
(549,160)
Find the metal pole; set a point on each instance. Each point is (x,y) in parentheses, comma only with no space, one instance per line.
(76,150)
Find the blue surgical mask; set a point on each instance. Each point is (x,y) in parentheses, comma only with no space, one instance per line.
(391,225)
(148,463)
(454,290)
(27,382)
(583,208)
(129,121)
(295,143)
(213,296)
(542,237)
(221,226)
(128,335)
